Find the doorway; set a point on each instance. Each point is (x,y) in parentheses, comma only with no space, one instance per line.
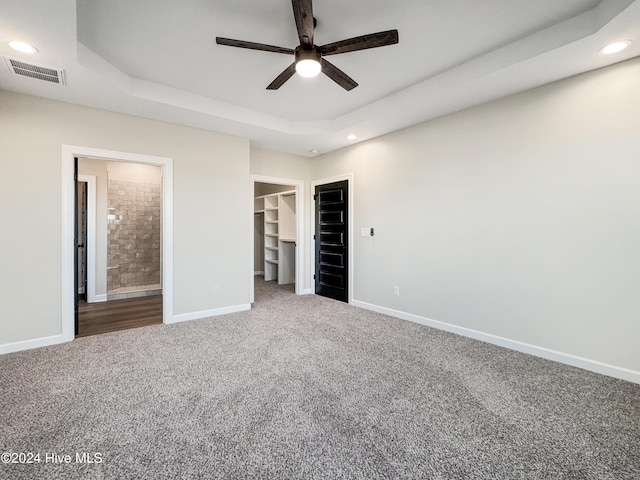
(277,243)
(126,246)
(69,245)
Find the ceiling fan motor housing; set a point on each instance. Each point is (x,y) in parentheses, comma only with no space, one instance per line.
(304,52)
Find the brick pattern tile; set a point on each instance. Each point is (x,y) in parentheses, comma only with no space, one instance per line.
(133,234)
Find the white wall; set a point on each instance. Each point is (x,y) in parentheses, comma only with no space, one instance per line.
(269,188)
(134,172)
(519,218)
(211,188)
(258,243)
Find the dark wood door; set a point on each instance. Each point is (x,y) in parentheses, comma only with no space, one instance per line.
(331,240)
(76,280)
(81,204)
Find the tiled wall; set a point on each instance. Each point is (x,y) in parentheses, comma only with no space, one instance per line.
(134,234)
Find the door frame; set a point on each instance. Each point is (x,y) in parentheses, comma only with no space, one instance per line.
(69,153)
(350,254)
(300,240)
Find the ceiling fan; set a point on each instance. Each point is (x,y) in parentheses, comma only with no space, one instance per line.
(309,58)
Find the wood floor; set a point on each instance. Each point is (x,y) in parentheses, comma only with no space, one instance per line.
(103,317)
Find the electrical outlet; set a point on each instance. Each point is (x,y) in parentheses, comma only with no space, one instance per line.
(396,291)
(216,289)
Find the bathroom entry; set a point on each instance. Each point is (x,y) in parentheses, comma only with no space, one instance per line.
(124,246)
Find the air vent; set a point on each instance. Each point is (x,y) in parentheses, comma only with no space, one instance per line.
(39,72)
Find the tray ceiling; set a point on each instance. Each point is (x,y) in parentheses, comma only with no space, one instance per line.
(158,59)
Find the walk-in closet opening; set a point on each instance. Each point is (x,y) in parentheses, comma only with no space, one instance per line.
(277,235)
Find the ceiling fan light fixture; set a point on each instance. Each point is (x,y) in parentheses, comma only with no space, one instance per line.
(308,68)
(308,62)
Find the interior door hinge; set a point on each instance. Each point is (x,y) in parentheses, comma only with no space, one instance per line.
(315,197)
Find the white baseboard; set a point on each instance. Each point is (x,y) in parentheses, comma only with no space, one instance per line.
(185,317)
(306,291)
(138,294)
(29,344)
(57,339)
(97,298)
(258,273)
(542,352)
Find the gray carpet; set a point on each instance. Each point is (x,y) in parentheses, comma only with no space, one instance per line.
(309,388)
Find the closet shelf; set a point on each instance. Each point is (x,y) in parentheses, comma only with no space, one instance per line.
(275,262)
(270,234)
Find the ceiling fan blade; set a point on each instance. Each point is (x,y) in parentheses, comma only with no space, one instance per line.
(372,40)
(338,76)
(283,77)
(303,13)
(252,45)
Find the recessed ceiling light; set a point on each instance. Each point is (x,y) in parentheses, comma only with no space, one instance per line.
(615,47)
(351,136)
(23,47)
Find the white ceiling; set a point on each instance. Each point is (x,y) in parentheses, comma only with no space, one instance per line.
(158,59)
